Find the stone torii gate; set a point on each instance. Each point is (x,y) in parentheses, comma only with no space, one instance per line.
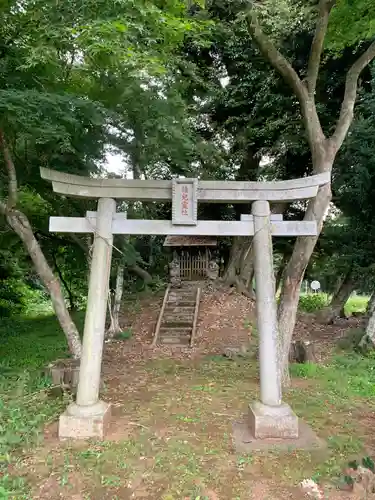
(269,418)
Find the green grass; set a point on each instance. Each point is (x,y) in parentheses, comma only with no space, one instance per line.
(312,302)
(32,342)
(175,421)
(356,303)
(26,346)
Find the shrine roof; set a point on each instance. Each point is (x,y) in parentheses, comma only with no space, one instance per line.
(190,241)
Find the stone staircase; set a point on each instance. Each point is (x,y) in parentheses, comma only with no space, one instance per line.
(178,316)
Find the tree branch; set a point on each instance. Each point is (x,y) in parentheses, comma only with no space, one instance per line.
(350,95)
(12,184)
(325,7)
(278,61)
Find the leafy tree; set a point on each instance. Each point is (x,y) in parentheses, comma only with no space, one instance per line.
(323,148)
(56,79)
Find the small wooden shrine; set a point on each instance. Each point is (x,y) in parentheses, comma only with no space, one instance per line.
(193,255)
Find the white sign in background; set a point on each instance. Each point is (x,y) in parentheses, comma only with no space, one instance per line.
(315,285)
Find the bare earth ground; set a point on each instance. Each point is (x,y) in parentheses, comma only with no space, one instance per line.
(172,413)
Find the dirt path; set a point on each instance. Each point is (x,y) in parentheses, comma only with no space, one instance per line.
(173,410)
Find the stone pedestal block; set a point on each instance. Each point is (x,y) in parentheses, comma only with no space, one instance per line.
(267,422)
(80,422)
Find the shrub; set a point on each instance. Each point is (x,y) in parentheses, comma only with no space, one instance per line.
(17,297)
(124,335)
(313,302)
(305,370)
(11,297)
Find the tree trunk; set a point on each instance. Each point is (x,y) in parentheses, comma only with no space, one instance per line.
(247,261)
(230,272)
(142,273)
(294,272)
(370,329)
(65,284)
(323,151)
(249,284)
(368,340)
(371,304)
(337,306)
(247,271)
(21,225)
(280,271)
(115,324)
(238,259)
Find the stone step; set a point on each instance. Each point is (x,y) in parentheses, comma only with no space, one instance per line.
(175,332)
(179,298)
(181,303)
(176,324)
(179,318)
(179,310)
(175,341)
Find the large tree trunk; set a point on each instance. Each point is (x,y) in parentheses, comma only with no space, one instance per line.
(238,265)
(370,330)
(115,323)
(142,273)
(337,306)
(294,273)
(20,224)
(247,270)
(323,151)
(371,304)
(280,271)
(368,340)
(233,265)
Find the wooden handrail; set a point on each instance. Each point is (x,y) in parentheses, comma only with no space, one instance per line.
(196,310)
(158,324)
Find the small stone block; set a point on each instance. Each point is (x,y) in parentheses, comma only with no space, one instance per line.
(84,427)
(272,422)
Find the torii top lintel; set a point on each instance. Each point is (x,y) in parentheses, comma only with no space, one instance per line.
(207,191)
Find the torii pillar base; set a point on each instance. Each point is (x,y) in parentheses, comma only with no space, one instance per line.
(81,422)
(272,422)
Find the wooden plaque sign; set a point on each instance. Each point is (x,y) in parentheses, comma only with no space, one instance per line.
(184,202)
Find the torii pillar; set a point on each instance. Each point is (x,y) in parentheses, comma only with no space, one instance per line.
(269,418)
(88,416)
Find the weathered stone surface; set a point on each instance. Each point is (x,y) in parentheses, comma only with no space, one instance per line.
(93,335)
(64,372)
(213,270)
(245,442)
(78,423)
(163,227)
(234,352)
(177,322)
(151,190)
(272,422)
(174,273)
(302,351)
(266,309)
